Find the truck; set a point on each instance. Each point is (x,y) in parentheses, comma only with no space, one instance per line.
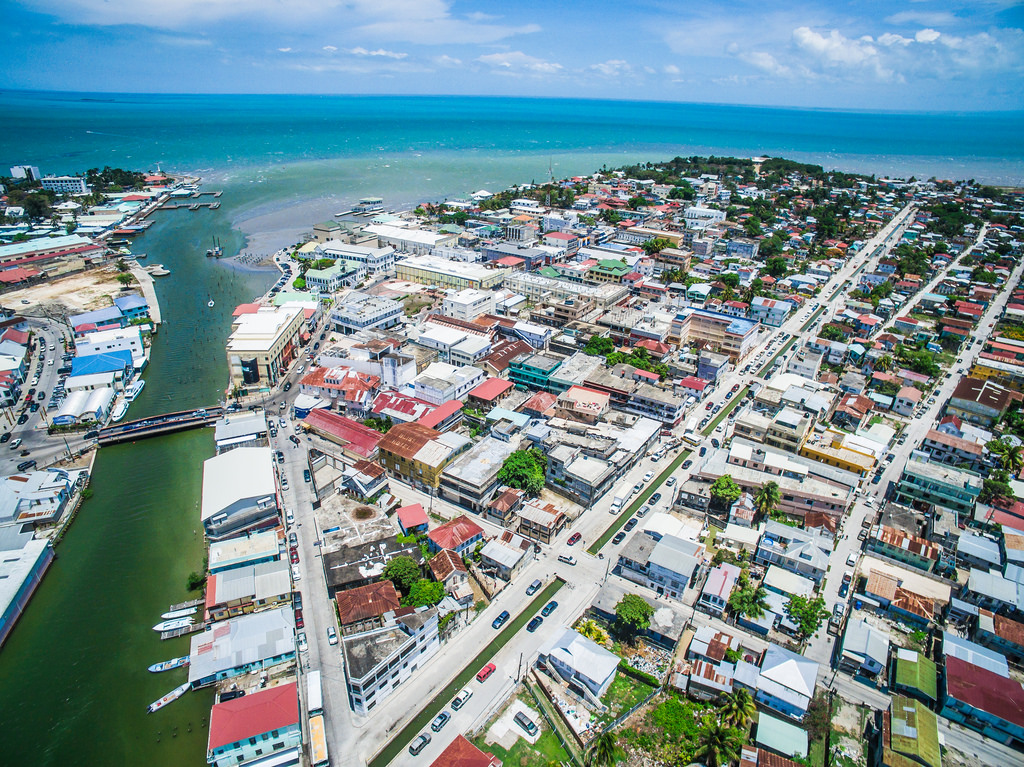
(618,503)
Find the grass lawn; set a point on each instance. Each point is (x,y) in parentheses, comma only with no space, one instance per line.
(414,303)
(624,693)
(817,753)
(546,750)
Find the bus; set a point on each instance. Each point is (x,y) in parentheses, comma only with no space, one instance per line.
(318,741)
(314,693)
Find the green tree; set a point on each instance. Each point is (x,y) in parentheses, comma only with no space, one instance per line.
(299,283)
(832,333)
(818,719)
(121,265)
(731,279)
(725,492)
(718,744)
(747,599)
(767,498)
(776,266)
(125,279)
(36,205)
(604,751)
(599,346)
(635,203)
(424,593)
(403,572)
(524,469)
(1011,457)
(753,226)
(655,245)
(807,613)
(738,709)
(633,613)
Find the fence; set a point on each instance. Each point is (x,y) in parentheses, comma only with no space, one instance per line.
(578,744)
(623,717)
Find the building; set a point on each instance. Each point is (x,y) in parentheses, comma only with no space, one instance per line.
(769,311)
(251,549)
(263,344)
(357,441)
(35,498)
(538,288)
(417,455)
(441,382)
(459,535)
(64,184)
(793,549)
(715,595)
(361,311)
(951,450)
(985,701)
(472,479)
(439,272)
(786,682)
(904,547)
(364,608)
(239,493)
(373,259)
(358,564)
(243,590)
(541,521)
(665,566)
(533,372)
(980,402)
(506,555)
(468,304)
(24,560)
(909,735)
(242,645)
(930,484)
(260,724)
(410,240)
(586,666)
(722,333)
(1001,633)
(461,753)
(379,661)
(865,649)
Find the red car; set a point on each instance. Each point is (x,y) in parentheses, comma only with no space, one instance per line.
(299,623)
(736,387)
(709,405)
(574,539)
(294,556)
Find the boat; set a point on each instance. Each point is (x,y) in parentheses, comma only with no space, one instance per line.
(173,625)
(173,695)
(119,410)
(210,304)
(216,251)
(139,255)
(134,390)
(179,613)
(167,665)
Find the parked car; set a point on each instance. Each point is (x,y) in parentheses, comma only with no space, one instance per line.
(567,559)
(288,386)
(301,640)
(655,498)
(296,573)
(498,622)
(618,538)
(293,556)
(549,608)
(486,671)
(306,476)
(630,524)
(299,622)
(14,445)
(440,721)
(648,477)
(526,723)
(686,465)
(421,742)
(461,699)
(6,437)
(332,635)
(703,451)
(534,624)
(533,588)
(715,443)
(643,511)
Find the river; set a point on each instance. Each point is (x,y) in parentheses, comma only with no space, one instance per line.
(73,680)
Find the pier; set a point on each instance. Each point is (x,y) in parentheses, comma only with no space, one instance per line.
(185,605)
(159,424)
(183,631)
(190,205)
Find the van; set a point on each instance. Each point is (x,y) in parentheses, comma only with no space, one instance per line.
(533,588)
(485,672)
(567,559)
(26,465)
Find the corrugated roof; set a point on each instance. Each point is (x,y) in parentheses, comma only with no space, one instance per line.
(252,715)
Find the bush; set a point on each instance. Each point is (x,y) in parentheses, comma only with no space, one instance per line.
(196,581)
(637,674)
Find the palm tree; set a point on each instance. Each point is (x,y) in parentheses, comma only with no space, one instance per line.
(604,751)
(1012,458)
(738,708)
(885,362)
(718,744)
(767,498)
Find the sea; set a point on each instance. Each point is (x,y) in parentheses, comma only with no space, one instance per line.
(73,680)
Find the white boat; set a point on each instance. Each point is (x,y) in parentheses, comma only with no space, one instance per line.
(167,665)
(179,613)
(119,410)
(172,625)
(173,695)
(134,390)
(210,304)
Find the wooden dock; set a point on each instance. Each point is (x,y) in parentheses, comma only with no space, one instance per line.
(182,631)
(185,605)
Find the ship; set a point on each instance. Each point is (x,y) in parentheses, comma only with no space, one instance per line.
(134,390)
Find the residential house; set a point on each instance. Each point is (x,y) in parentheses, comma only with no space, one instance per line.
(786,681)
(793,549)
(364,608)
(239,493)
(587,667)
(448,568)
(666,565)
(249,729)
(714,597)
(459,535)
(908,735)
(417,454)
(984,700)
(865,649)
(981,402)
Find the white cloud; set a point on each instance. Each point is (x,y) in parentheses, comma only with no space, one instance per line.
(927,36)
(330,48)
(430,22)
(671,69)
(837,54)
(379,52)
(929,18)
(447,61)
(285,50)
(519,62)
(766,62)
(612,68)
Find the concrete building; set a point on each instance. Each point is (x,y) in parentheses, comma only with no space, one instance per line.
(419,242)
(468,304)
(439,272)
(587,668)
(239,493)
(24,560)
(666,566)
(731,336)
(248,729)
(373,259)
(418,455)
(243,590)
(263,344)
(943,486)
(361,311)
(64,184)
(980,402)
(794,549)
(241,645)
(985,701)
(441,382)
(537,288)
(471,480)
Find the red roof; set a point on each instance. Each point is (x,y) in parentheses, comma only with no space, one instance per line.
(360,439)
(453,534)
(252,715)
(440,414)
(510,261)
(245,309)
(461,753)
(17,274)
(401,404)
(985,690)
(412,515)
(491,389)
(369,601)
(692,382)
(560,236)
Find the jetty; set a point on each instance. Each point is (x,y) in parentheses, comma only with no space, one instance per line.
(185,605)
(192,628)
(146,283)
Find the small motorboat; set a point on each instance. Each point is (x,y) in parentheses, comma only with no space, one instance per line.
(210,304)
(173,625)
(173,695)
(119,410)
(179,613)
(167,665)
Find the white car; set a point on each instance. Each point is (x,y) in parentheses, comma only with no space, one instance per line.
(460,700)
(296,573)
(332,635)
(301,639)
(648,476)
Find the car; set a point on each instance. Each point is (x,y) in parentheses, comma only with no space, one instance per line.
(293,556)
(648,477)
(14,445)
(440,721)
(461,699)
(534,623)
(549,608)
(526,723)
(728,395)
(672,480)
(851,561)
(31,393)
(500,621)
(23,418)
(280,456)
(332,635)
(230,695)
(297,599)
(34,407)
(735,388)
(294,440)
(296,573)
(299,622)
(283,423)
(709,405)
(838,609)
(288,386)
(655,498)
(716,408)
(306,476)
(533,588)
(301,639)
(643,511)
(844,589)
(49,363)
(486,671)
(862,535)
(630,524)
(41,395)
(284,483)
(25,465)
(686,465)
(323,336)
(5,438)
(848,576)
(890,457)
(421,742)
(876,479)
(638,487)
(618,538)
(293,539)
(703,451)
(567,559)
(715,443)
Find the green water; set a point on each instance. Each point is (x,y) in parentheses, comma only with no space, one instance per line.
(73,681)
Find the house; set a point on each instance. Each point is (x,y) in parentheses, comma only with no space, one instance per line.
(943,486)
(865,649)
(364,607)
(256,725)
(417,454)
(586,666)
(471,480)
(506,555)
(719,585)
(412,519)
(540,521)
(449,569)
(786,682)
(666,565)
(458,535)
(908,734)
(780,737)
(981,402)
(1003,634)
(900,545)
(951,450)
(984,700)
(239,493)
(792,549)
(243,590)
(906,400)
(915,675)
(461,753)
(242,645)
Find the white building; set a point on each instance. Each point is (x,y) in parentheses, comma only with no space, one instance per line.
(374,259)
(361,311)
(417,241)
(442,382)
(64,184)
(239,492)
(582,662)
(468,304)
(117,339)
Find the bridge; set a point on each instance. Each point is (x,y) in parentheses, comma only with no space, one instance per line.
(159,424)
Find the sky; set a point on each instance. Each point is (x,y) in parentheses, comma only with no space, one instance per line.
(906,55)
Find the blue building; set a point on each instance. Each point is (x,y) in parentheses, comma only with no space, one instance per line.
(118,362)
(241,645)
(256,725)
(133,307)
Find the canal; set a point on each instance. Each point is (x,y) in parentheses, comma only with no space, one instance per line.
(73,680)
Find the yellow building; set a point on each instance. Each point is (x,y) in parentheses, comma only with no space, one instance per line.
(263,343)
(829,449)
(417,454)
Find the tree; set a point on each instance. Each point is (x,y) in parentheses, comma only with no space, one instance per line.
(753,226)
(655,245)
(604,751)
(747,599)
(633,613)
(299,283)
(125,279)
(1011,457)
(776,266)
(725,492)
(818,719)
(599,346)
(885,363)
(424,593)
(524,469)
(738,708)
(832,333)
(767,498)
(807,613)
(730,279)
(718,744)
(403,572)
(638,202)
(36,205)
